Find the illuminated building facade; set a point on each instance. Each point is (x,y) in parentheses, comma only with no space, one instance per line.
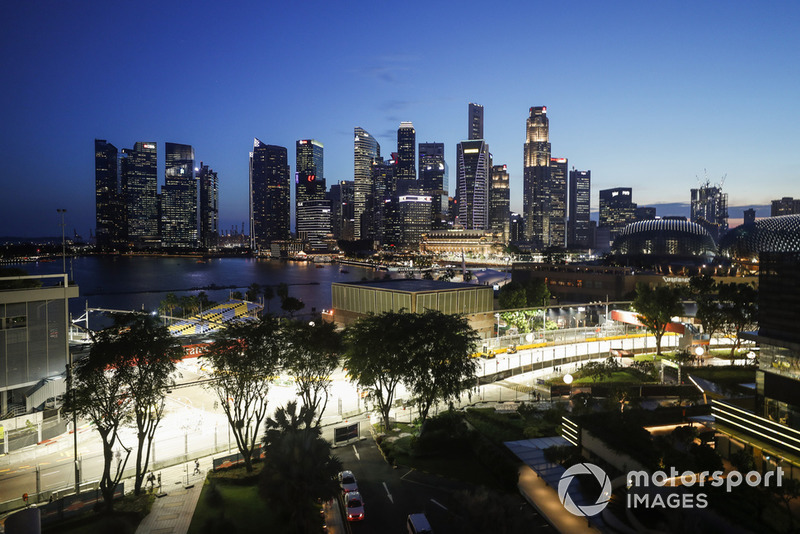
(269,195)
(109,213)
(406,152)
(785,206)
(617,210)
(179,198)
(709,209)
(499,202)
(312,208)
(209,206)
(139,184)
(434,181)
(472,184)
(341,197)
(556,234)
(366,149)
(579,232)
(475,125)
(536,177)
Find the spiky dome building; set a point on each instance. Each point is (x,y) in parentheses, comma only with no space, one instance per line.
(668,239)
(772,234)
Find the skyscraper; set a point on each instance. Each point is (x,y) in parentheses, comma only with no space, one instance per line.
(617,210)
(472,184)
(499,203)
(139,184)
(475,126)
(366,148)
(209,206)
(433,178)
(406,152)
(270,195)
(557,213)
(536,178)
(179,198)
(709,209)
(578,229)
(341,196)
(109,220)
(312,208)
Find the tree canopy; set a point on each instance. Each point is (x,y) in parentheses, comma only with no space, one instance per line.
(245,357)
(656,306)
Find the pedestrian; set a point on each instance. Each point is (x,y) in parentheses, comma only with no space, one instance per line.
(159,482)
(151,480)
(197,467)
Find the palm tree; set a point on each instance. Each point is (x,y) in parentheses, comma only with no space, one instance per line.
(298,468)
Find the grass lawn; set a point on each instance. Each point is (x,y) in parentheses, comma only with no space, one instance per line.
(241,505)
(725,375)
(621,376)
(128,513)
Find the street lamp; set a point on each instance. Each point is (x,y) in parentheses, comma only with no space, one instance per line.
(497,316)
(63,241)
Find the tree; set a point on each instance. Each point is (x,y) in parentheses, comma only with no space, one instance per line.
(447,275)
(269,294)
(785,493)
(237,295)
(310,353)
(703,290)
(253,291)
(656,307)
(298,467)
(168,305)
(101,396)
(245,357)
(150,354)
(376,357)
(511,296)
(282,291)
(439,349)
(466,276)
(291,305)
(537,293)
(190,305)
(739,308)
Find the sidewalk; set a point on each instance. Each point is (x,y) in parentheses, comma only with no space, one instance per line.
(175,503)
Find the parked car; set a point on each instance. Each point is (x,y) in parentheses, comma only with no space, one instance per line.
(354,506)
(347,481)
(512,349)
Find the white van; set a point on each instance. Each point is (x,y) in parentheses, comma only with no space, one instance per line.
(418,524)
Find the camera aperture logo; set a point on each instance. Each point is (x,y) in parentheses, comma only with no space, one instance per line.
(586,509)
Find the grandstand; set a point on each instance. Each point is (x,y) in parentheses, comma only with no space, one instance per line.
(212,319)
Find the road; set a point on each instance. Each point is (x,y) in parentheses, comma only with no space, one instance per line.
(194,425)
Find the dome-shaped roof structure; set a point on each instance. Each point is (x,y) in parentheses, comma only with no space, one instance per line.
(773,234)
(665,238)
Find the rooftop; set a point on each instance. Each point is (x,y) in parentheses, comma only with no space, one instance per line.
(412,286)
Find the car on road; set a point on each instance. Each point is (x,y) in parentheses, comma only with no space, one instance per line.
(418,524)
(354,506)
(347,481)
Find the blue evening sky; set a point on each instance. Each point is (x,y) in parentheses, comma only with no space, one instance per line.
(649,95)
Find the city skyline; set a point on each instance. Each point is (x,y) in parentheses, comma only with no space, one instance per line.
(649,99)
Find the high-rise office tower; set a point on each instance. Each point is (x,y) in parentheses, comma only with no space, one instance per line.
(557,214)
(413,213)
(179,198)
(578,230)
(536,178)
(270,195)
(709,209)
(475,126)
(617,210)
(312,208)
(517,227)
(109,219)
(139,183)
(366,148)
(499,202)
(433,178)
(406,152)
(472,184)
(785,206)
(749,217)
(341,197)
(209,206)
(377,220)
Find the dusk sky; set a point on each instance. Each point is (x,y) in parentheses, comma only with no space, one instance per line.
(648,95)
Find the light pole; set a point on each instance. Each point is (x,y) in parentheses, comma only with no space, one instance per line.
(497,316)
(63,242)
